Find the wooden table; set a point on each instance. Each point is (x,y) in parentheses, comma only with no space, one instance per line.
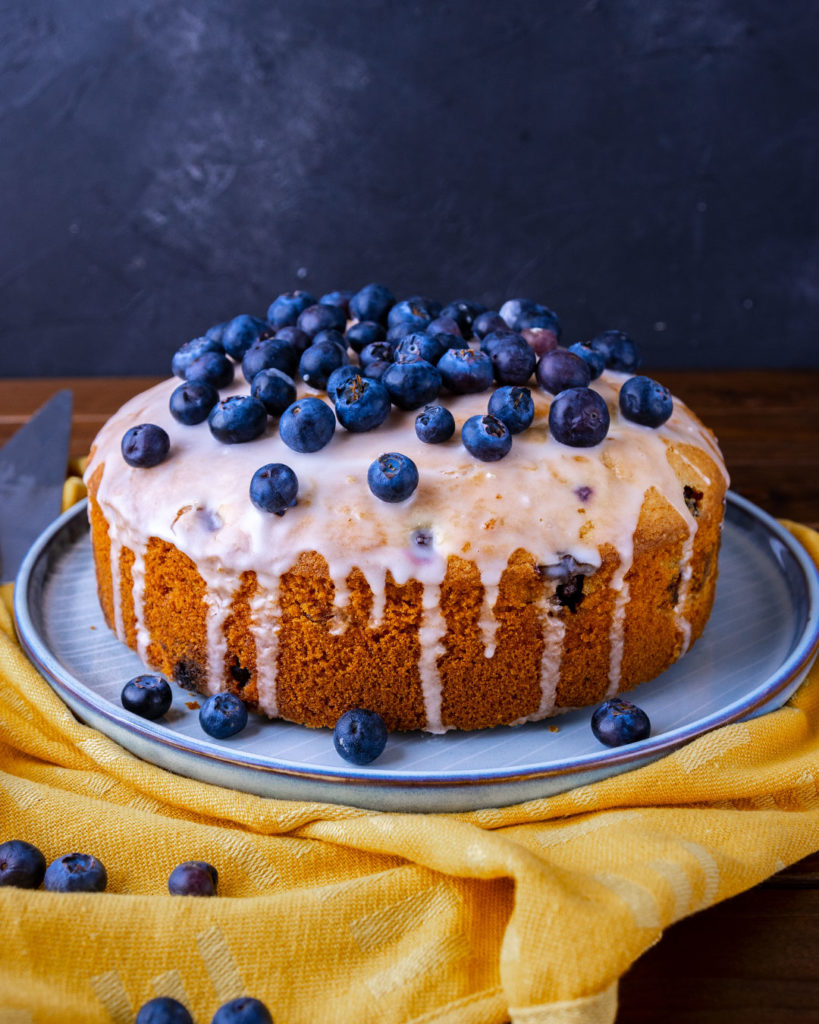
(755,958)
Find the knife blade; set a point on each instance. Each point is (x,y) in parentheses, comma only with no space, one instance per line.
(32,472)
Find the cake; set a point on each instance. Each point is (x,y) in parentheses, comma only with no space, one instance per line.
(499,592)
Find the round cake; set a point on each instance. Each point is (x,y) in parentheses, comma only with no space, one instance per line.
(503,589)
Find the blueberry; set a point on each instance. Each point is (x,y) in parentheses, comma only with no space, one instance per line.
(319,318)
(216,331)
(372,302)
(284,310)
(513,309)
(363,333)
(579,418)
(194,877)
(392,477)
(486,437)
(270,353)
(76,872)
(618,721)
(241,332)
(402,329)
(307,425)
(191,350)
(273,488)
(360,736)
(163,1010)
(645,401)
(237,419)
(338,378)
(21,864)
(465,370)
(595,358)
(411,385)
(410,312)
(560,369)
(318,362)
(223,715)
(434,425)
(463,311)
(192,401)
(274,389)
(213,367)
(147,696)
(514,407)
(145,445)
(244,1010)
(330,334)
(513,360)
(419,345)
(445,325)
(620,350)
(539,319)
(341,299)
(490,341)
(294,336)
(362,404)
(377,369)
(377,350)
(486,322)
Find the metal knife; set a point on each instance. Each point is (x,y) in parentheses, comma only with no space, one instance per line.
(32,473)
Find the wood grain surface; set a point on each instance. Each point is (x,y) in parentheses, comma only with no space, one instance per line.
(755,958)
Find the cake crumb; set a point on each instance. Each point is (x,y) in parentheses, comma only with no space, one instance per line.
(192,704)
(554,728)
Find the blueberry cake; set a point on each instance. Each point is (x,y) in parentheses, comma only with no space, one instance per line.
(440,514)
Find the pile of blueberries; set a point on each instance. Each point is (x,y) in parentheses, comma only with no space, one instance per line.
(23,866)
(406,354)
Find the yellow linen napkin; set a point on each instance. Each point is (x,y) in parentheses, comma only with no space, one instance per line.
(327,913)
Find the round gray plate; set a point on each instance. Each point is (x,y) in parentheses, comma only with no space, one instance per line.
(758,646)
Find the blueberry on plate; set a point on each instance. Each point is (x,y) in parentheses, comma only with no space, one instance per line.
(402,329)
(274,389)
(223,715)
(411,385)
(213,367)
(147,696)
(163,1010)
(618,721)
(215,331)
(499,337)
(338,378)
(318,362)
(540,319)
(645,401)
(363,333)
(434,425)
(513,309)
(337,298)
(419,345)
(273,488)
(244,1010)
(145,446)
(362,404)
(465,370)
(392,477)
(191,350)
(560,369)
(620,350)
(445,325)
(514,407)
(513,360)
(270,353)
(372,302)
(192,401)
(464,312)
(579,418)
(486,322)
(284,310)
(376,370)
(76,872)
(321,318)
(486,437)
(237,419)
(330,334)
(21,864)
(594,357)
(360,736)
(294,336)
(307,425)
(241,332)
(193,878)
(410,311)
(383,351)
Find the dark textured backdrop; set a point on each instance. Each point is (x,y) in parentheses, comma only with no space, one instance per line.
(643,164)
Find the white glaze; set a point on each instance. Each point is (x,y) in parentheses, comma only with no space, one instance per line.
(198,500)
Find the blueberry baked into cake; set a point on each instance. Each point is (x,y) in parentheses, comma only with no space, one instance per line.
(439,514)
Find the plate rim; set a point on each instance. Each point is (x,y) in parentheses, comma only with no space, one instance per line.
(797,661)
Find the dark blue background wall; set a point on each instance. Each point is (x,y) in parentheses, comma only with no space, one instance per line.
(643,164)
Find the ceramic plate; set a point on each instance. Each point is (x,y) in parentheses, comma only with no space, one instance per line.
(758,646)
